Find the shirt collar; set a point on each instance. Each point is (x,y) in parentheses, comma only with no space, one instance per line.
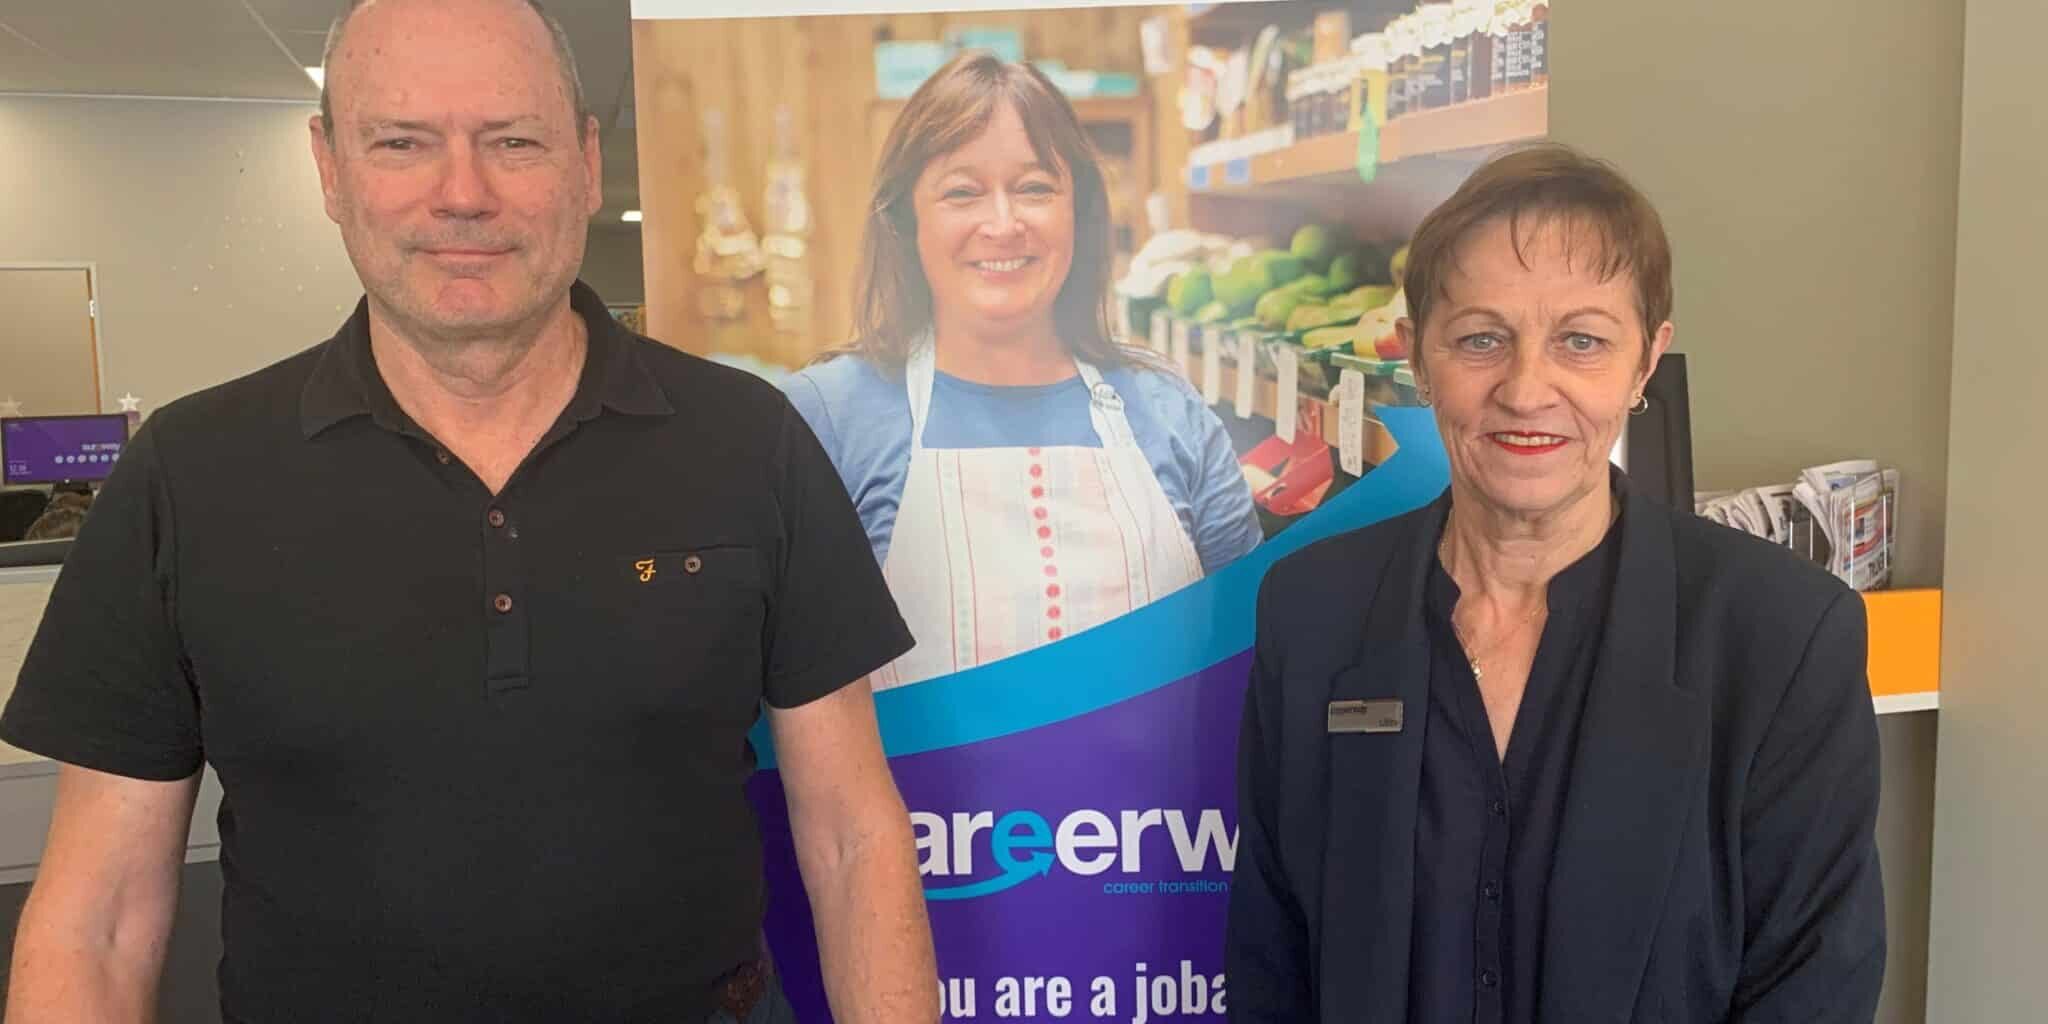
(345,382)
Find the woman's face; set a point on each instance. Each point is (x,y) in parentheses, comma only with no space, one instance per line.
(995,229)
(1532,361)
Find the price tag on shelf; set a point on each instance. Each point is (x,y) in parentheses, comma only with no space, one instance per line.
(1212,365)
(1180,353)
(1287,400)
(1161,333)
(1351,422)
(1247,372)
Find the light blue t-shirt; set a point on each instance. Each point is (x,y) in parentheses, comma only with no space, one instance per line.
(861,415)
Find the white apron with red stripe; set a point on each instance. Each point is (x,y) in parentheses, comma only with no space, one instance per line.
(999,550)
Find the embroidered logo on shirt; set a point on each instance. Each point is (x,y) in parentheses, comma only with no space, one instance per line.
(646,567)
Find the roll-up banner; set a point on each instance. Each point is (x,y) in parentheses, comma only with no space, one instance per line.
(1092,307)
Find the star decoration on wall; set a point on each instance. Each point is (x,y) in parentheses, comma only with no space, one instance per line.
(130,403)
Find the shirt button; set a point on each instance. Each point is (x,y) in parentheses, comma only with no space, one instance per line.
(1499,808)
(1491,891)
(502,602)
(693,565)
(496,517)
(1489,979)
(444,458)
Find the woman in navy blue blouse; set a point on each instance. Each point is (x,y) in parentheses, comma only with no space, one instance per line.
(1545,749)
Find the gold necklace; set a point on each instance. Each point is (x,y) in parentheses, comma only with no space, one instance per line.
(1473,659)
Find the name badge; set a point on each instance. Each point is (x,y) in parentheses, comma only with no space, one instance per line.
(1365,715)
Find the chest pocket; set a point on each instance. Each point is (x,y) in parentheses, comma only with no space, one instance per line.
(712,573)
(685,627)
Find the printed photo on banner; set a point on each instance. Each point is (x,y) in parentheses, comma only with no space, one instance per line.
(1092,309)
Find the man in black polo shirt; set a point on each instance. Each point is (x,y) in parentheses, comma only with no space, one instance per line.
(470,607)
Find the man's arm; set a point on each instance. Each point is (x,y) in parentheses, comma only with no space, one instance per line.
(859,860)
(1814,900)
(92,937)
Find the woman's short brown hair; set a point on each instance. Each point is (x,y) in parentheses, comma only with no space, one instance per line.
(893,300)
(1548,183)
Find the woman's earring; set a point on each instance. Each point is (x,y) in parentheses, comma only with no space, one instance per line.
(1423,394)
(1640,406)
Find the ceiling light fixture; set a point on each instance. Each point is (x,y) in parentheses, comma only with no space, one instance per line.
(318,75)
(630,216)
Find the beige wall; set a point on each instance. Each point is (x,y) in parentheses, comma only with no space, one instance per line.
(215,257)
(1803,157)
(1905,834)
(204,217)
(1990,915)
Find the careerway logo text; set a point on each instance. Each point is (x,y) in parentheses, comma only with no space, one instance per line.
(1022,845)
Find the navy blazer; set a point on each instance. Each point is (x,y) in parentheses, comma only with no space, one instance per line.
(1716,861)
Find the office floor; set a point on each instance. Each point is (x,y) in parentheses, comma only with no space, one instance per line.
(190,994)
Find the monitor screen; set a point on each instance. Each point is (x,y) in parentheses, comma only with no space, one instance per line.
(61,449)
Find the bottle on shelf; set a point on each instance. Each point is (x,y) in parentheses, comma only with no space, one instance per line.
(1520,18)
(1368,80)
(1460,72)
(1497,30)
(1473,23)
(1400,62)
(1330,36)
(1429,84)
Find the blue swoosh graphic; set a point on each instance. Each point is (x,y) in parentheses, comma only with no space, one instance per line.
(1167,640)
(1039,864)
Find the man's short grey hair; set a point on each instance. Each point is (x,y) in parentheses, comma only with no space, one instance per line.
(571,81)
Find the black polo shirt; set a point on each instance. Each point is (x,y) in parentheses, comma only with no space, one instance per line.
(482,756)
(1486,827)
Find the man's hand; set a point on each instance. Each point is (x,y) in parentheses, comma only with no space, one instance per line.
(859,860)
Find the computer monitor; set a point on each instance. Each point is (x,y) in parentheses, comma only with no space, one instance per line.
(60,449)
(1655,449)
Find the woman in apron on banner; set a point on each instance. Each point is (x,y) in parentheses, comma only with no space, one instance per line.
(1021,474)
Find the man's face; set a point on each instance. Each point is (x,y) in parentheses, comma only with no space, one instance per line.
(455,170)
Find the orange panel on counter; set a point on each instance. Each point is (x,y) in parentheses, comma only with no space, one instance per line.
(1905,641)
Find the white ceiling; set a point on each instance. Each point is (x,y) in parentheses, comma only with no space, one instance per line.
(256,49)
